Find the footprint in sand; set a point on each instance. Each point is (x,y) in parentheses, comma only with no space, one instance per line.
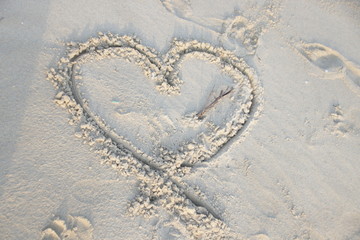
(239,32)
(71,228)
(343,123)
(181,8)
(332,64)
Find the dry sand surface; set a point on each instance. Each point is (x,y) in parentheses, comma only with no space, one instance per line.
(179,119)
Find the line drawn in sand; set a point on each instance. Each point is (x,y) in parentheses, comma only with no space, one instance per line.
(160,174)
(332,64)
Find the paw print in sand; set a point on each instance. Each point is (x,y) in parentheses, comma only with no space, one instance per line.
(70,228)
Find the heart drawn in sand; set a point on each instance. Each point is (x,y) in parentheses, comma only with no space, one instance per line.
(162,108)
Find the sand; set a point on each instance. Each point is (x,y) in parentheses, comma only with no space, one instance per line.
(179,119)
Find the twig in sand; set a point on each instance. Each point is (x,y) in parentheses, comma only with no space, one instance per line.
(201,114)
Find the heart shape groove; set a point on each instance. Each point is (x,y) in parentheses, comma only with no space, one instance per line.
(204,127)
(194,133)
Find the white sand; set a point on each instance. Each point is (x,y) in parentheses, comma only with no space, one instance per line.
(276,156)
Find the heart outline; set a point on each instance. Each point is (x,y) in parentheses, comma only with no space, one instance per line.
(130,163)
(167,78)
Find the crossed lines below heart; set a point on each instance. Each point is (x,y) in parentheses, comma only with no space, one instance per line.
(161,183)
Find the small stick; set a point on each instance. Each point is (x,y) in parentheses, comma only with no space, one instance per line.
(201,114)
